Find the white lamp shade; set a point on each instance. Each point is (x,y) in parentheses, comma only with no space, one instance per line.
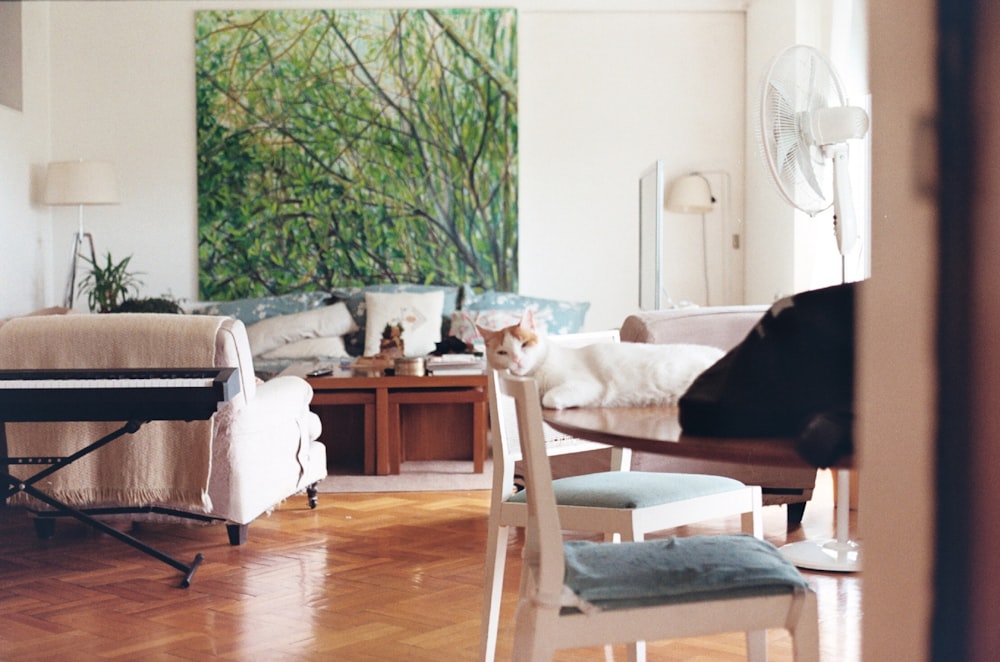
(690,194)
(81,183)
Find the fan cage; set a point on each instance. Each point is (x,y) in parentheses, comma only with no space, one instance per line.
(798,80)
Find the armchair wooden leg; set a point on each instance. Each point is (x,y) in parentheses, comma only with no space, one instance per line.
(795,513)
(45,527)
(238,533)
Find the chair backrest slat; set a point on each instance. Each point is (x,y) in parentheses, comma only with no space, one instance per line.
(503,419)
(543,535)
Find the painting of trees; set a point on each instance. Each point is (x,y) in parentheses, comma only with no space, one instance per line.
(340,148)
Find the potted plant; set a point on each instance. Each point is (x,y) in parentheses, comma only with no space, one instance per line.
(109,284)
(150,305)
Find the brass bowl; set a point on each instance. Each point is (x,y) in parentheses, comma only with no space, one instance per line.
(412,366)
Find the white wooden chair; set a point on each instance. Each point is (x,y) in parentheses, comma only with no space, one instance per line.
(583,593)
(629,504)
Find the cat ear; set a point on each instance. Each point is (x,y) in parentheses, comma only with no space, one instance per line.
(528,320)
(487,334)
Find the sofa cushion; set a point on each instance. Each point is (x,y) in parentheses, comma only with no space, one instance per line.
(310,348)
(419,313)
(324,322)
(720,326)
(256,309)
(559,317)
(465,323)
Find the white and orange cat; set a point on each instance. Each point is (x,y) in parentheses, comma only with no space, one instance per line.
(598,375)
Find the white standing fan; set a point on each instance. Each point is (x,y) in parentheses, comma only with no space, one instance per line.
(803,129)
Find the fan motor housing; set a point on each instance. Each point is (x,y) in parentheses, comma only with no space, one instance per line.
(837,124)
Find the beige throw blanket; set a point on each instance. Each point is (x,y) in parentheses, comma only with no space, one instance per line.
(166,463)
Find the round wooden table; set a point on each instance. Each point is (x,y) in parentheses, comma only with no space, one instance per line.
(658,430)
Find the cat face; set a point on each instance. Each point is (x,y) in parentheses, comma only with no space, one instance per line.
(517,348)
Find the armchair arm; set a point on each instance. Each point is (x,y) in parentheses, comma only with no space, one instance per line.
(283,393)
(266,451)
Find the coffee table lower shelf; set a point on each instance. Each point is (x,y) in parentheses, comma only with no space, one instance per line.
(380,422)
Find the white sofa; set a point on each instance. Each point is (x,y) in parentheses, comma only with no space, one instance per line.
(262,445)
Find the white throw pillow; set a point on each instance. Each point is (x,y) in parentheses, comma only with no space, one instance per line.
(309,348)
(419,314)
(322,322)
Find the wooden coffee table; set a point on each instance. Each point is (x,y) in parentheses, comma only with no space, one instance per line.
(431,417)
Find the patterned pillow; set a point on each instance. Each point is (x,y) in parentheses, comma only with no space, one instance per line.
(354,298)
(418,312)
(464,323)
(253,310)
(558,316)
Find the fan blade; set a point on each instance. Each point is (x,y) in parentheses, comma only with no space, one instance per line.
(782,143)
(844,219)
(805,165)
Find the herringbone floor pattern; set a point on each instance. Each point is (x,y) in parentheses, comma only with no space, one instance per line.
(364,577)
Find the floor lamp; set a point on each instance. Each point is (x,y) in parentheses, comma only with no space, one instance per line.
(692,194)
(80,183)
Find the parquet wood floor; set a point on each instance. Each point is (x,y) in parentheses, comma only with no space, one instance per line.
(364,577)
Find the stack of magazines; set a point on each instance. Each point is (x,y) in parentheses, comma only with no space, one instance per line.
(456,364)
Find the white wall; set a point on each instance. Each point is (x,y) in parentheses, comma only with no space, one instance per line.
(606,89)
(123,91)
(603,96)
(25,254)
(774,228)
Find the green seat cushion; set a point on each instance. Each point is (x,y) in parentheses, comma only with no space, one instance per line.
(633,489)
(611,576)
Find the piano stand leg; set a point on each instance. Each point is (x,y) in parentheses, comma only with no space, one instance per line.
(189,575)
(188,570)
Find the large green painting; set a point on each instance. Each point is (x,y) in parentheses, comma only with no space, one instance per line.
(341,148)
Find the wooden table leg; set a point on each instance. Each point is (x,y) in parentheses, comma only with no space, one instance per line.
(370,438)
(395,438)
(478,436)
(383,437)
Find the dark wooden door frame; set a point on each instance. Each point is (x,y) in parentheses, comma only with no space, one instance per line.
(966,623)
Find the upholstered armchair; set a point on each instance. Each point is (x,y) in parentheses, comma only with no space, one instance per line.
(258,449)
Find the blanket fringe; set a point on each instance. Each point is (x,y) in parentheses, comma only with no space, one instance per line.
(114,497)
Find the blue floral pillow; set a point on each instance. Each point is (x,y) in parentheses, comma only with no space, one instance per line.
(559,317)
(253,310)
(354,297)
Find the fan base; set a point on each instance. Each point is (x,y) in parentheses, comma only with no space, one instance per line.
(830,555)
